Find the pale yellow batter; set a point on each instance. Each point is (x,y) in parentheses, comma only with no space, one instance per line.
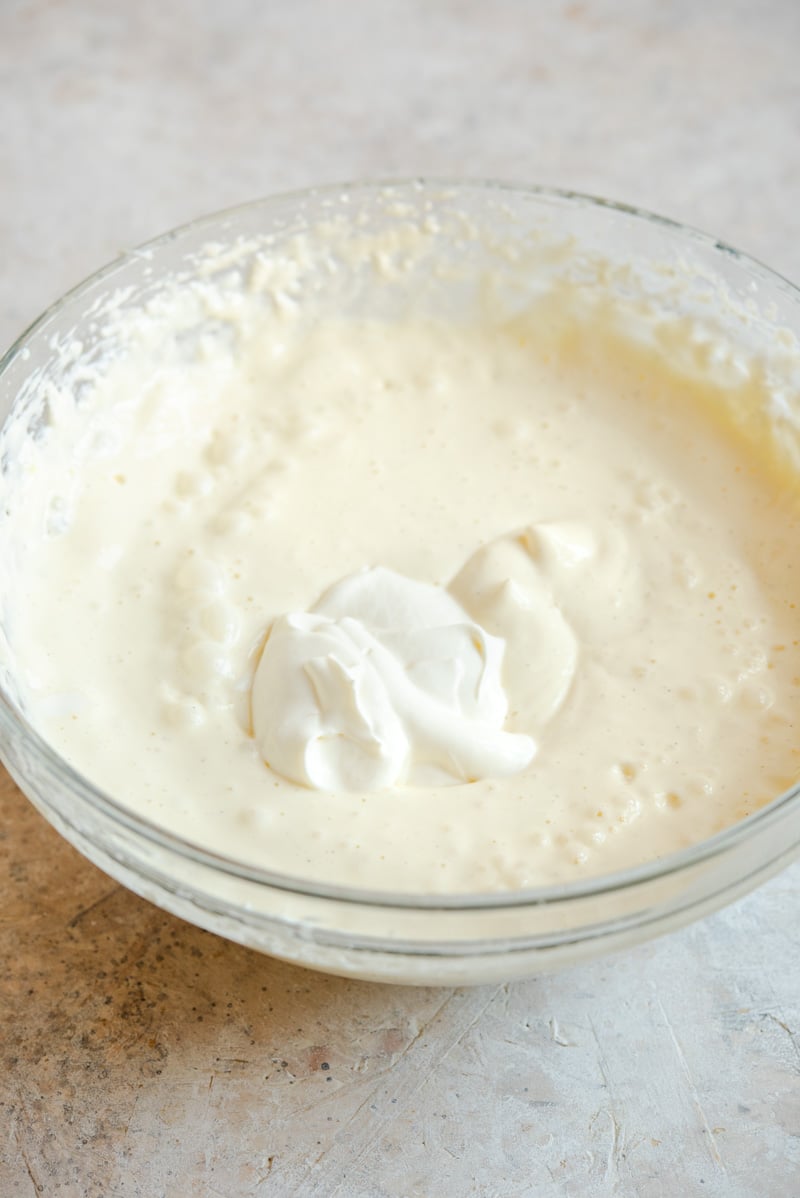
(583,502)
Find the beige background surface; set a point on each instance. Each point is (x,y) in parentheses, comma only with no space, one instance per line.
(144,1057)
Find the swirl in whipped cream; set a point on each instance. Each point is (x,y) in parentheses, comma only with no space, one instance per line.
(386,681)
(390,682)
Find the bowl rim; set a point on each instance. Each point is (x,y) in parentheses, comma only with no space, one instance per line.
(15,727)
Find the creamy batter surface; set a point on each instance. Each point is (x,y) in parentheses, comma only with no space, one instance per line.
(626,555)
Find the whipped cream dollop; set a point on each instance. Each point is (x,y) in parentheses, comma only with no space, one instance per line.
(386,681)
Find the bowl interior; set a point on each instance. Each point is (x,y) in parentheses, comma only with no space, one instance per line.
(447,250)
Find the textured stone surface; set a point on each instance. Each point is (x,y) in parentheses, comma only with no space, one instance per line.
(143,1057)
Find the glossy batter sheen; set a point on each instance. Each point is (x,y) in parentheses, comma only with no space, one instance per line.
(582,501)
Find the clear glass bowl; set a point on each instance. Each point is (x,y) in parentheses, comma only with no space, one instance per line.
(412,938)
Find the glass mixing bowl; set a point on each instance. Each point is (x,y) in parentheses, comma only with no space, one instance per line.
(427,939)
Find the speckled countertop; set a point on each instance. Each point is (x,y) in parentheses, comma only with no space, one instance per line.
(143,1057)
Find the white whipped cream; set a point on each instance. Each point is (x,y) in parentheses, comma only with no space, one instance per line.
(386,681)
